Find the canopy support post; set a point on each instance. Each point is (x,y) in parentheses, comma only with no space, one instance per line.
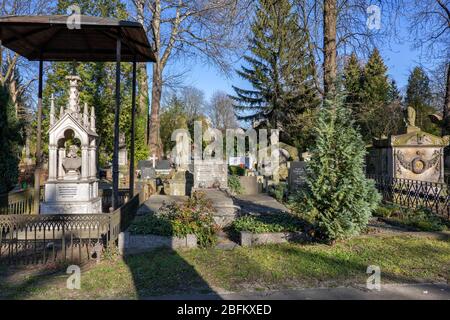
(37,171)
(115,193)
(133,120)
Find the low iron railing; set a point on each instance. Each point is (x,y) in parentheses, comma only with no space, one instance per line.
(414,193)
(17,202)
(31,239)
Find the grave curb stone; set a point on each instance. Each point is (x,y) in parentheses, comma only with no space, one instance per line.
(132,244)
(249,239)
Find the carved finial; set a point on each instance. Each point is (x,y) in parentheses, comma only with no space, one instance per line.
(73,106)
(85,115)
(61,112)
(92,119)
(52,110)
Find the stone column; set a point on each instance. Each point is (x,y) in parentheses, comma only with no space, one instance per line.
(61,156)
(84,162)
(92,163)
(52,162)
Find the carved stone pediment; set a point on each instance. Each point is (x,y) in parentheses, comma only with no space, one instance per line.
(418,138)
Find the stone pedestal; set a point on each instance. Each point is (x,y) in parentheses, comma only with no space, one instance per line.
(71,197)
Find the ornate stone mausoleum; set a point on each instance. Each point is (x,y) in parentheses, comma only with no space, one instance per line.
(415,155)
(72,185)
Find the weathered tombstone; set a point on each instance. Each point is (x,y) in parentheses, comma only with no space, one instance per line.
(144,164)
(181,183)
(297,175)
(163,167)
(210,174)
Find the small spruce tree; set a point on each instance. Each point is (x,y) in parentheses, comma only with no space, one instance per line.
(338,199)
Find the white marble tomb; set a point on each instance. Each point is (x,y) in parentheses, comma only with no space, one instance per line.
(72,185)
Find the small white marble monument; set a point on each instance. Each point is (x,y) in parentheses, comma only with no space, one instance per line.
(72,185)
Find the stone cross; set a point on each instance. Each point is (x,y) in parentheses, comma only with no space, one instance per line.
(153,158)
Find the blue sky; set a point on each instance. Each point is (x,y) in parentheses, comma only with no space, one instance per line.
(398,55)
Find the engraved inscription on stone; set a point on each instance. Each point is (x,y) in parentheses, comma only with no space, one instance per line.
(297,174)
(209,174)
(67,192)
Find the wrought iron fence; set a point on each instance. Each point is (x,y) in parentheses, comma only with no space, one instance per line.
(414,193)
(18,202)
(32,239)
(106,195)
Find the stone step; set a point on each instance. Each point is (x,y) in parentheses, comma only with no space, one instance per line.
(224,243)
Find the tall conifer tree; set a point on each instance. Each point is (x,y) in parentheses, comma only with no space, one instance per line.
(338,199)
(419,96)
(373,99)
(279,70)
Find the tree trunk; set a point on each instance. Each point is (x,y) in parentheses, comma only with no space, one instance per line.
(143,103)
(446,109)
(154,141)
(154,134)
(329,46)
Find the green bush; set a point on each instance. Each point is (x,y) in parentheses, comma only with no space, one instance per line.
(236,170)
(283,222)
(234,184)
(195,216)
(278,191)
(338,199)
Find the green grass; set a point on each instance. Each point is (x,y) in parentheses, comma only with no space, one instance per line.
(402,259)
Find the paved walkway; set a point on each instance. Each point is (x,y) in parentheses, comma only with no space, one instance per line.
(387,292)
(259,203)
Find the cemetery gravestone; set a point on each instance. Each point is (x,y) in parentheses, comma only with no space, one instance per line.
(297,175)
(163,167)
(210,174)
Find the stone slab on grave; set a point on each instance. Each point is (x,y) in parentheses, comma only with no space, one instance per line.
(250,185)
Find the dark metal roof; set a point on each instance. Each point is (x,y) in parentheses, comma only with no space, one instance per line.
(49,38)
